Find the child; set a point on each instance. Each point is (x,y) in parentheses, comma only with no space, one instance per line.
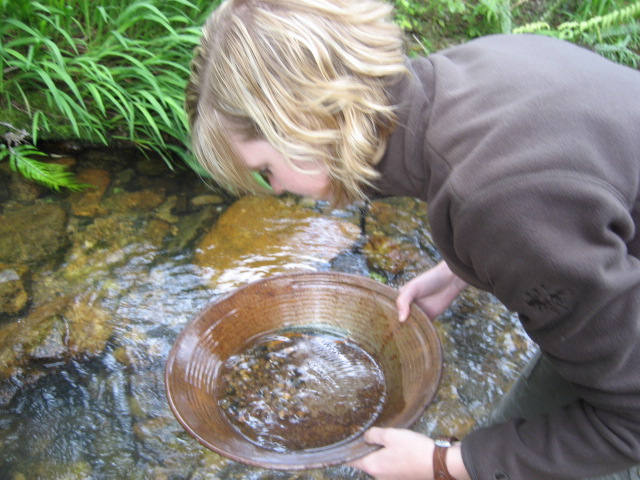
(527,152)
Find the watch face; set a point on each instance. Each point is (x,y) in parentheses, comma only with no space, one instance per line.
(442,442)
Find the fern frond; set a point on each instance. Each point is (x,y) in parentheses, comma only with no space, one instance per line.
(533,27)
(570,30)
(51,175)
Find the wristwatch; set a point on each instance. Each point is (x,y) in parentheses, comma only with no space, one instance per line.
(440,471)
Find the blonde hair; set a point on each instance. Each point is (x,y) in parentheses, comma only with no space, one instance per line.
(308,76)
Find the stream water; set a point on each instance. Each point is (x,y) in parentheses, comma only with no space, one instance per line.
(95,287)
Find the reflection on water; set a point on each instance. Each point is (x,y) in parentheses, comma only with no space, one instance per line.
(301,390)
(269,239)
(101,285)
(76,421)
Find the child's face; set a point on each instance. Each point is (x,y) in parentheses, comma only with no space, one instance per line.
(259,156)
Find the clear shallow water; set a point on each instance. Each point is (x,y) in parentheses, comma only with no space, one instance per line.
(84,397)
(302,390)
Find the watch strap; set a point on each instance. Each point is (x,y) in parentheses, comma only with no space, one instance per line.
(440,470)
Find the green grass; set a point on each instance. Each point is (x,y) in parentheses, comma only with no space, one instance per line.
(113,71)
(100,71)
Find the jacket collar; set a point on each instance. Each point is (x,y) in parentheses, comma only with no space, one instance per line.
(403,168)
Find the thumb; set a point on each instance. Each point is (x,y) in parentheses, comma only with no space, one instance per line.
(403,303)
(375,436)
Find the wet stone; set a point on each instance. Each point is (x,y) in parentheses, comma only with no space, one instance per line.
(388,255)
(201,200)
(32,233)
(398,242)
(13,295)
(49,344)
(88,329)
(78,470)
(87,203)
(192,225)
(168,443)
(261,236)
(164,211)
(122,178)
(24,190)
(147,199)
(57,330)
(141,200)
(110,241)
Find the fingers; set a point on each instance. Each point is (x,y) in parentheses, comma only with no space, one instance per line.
(402,455)
(373,436)
(433,291)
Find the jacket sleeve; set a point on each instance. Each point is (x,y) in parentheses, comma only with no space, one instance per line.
(554,249)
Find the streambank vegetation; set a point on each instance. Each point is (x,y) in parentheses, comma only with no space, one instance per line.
(113,72)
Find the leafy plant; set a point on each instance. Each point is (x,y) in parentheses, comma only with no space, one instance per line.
(609,27)
(98,71)
(408,14)
(614,34)
(22,159)
(110,71)
(489,16)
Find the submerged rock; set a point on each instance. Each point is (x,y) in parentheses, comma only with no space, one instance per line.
(32,233)
(261,236)
(57,330)
(13,296)
(87,202)
(112,241)
(190,226)
(24,190)
(142,200)
(398,239)
(163,212)
(209,199)
(386,254)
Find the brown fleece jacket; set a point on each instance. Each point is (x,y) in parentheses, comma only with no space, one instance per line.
(527,151)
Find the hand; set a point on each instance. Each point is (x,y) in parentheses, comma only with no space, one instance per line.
(406,455)
(433,291)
